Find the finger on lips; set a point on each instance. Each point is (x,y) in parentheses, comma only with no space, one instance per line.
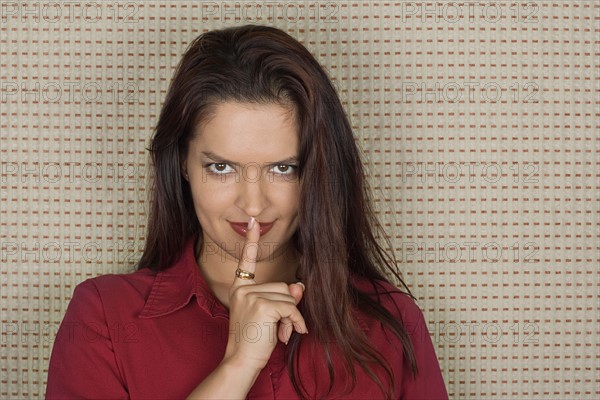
(278,292)
(247,262)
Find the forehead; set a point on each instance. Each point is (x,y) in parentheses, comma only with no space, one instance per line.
(248,132)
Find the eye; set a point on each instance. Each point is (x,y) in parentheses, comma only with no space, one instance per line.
(284,169)
(218,168)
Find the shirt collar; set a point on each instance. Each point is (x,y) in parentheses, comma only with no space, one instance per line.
(174,287)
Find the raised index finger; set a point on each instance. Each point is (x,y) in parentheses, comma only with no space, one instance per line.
(249,253)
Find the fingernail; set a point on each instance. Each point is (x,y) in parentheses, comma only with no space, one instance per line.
(301,284)
(251,222)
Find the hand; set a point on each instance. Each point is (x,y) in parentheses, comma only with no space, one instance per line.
(260,314)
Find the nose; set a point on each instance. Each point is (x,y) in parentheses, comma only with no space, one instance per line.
(252,196)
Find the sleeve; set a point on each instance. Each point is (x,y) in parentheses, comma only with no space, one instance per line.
(429,383)
(83,363)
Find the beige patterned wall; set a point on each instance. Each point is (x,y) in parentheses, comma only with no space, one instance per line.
(479,124)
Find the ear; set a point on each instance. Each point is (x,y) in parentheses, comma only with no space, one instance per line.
(184,171)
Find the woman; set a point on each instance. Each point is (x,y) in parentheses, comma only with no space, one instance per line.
(261,276)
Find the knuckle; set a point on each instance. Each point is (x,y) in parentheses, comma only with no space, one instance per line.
(262,305)
(244,290)
(282,287)
(239,293)
(291,310)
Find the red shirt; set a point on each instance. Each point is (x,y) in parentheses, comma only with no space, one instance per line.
(146,335)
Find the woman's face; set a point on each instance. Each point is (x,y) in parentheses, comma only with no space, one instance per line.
(242,163)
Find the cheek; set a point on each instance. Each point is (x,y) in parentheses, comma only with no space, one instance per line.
(209,200)
(288,199)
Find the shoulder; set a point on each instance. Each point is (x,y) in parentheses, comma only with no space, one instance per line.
(114,292)
(123,284)
(399,303)
(429,383)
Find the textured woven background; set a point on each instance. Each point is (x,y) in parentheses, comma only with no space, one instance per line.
(478,121)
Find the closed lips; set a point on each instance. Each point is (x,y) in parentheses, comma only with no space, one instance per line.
(242,227)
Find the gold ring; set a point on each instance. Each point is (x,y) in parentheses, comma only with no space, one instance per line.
(240,273)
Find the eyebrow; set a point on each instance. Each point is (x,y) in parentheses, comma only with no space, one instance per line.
(219,159)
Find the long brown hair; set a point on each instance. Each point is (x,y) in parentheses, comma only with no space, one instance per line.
(263,64)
